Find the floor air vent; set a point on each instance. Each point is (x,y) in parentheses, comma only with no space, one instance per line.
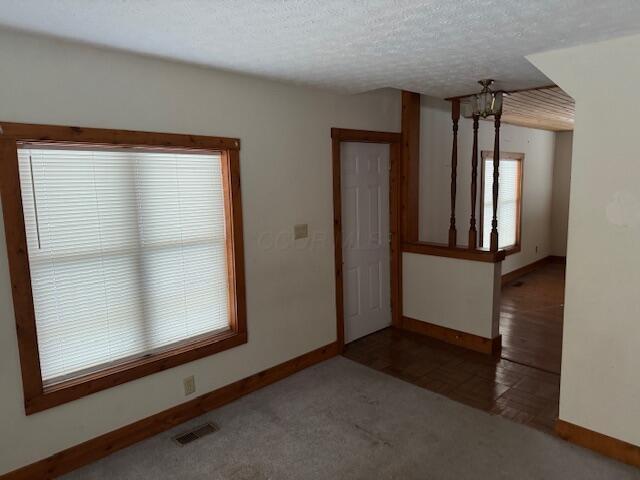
(195,434)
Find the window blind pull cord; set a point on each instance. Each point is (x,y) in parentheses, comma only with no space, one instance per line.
(35,203)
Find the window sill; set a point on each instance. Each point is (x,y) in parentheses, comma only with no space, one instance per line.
(76,388)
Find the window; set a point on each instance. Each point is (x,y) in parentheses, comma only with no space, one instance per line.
(134,257)
(509,200)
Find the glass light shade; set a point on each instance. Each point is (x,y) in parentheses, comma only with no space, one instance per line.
(485,99)
(486,103)
(467,108)
(497,104)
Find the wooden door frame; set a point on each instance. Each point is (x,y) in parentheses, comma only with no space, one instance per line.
(394,140)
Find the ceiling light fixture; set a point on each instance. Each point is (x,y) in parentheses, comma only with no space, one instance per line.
(487,102)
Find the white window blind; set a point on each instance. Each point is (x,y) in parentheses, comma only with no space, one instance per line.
(126,250)
(508,198)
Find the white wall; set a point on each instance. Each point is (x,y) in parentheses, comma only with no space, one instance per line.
(561,188)
(435,179)
(601,343)
(460,294)
(286,179)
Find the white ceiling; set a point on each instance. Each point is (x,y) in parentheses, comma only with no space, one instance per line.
(434,47)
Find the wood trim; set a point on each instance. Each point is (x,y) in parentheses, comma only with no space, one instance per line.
(131,370)
(337,240)
(538,124)
(463,253)
(599,442)
(395,195)
(102,446)
(235,241)
(488,154)
(101,136)
(558,259)
(410,166)
(19,270)
(37,397)
(460,97)
(511,276)
(489,346)
(345,135)
(473,231)
(364,136)
(551,109)
(455,117)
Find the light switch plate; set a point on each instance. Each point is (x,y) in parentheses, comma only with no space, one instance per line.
(189,385)
(300,231)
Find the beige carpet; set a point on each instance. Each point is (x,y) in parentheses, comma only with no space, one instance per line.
(342,420)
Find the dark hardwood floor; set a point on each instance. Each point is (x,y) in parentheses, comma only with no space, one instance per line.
(522,385)
(531,315)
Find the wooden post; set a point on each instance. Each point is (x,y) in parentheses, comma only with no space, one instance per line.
(410,165)
(473,233)
(496,168)
(455,116)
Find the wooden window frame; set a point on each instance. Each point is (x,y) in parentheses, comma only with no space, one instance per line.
(38,397)
(487,155)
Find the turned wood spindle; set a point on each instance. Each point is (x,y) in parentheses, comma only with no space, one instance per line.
(473,233)
(496,168)
(455,117)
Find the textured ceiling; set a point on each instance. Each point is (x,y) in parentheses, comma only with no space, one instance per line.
(434,47)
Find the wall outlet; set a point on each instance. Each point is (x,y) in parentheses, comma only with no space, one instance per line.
(300,231)
(189,385)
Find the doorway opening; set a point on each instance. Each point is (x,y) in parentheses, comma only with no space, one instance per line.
(522,382)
